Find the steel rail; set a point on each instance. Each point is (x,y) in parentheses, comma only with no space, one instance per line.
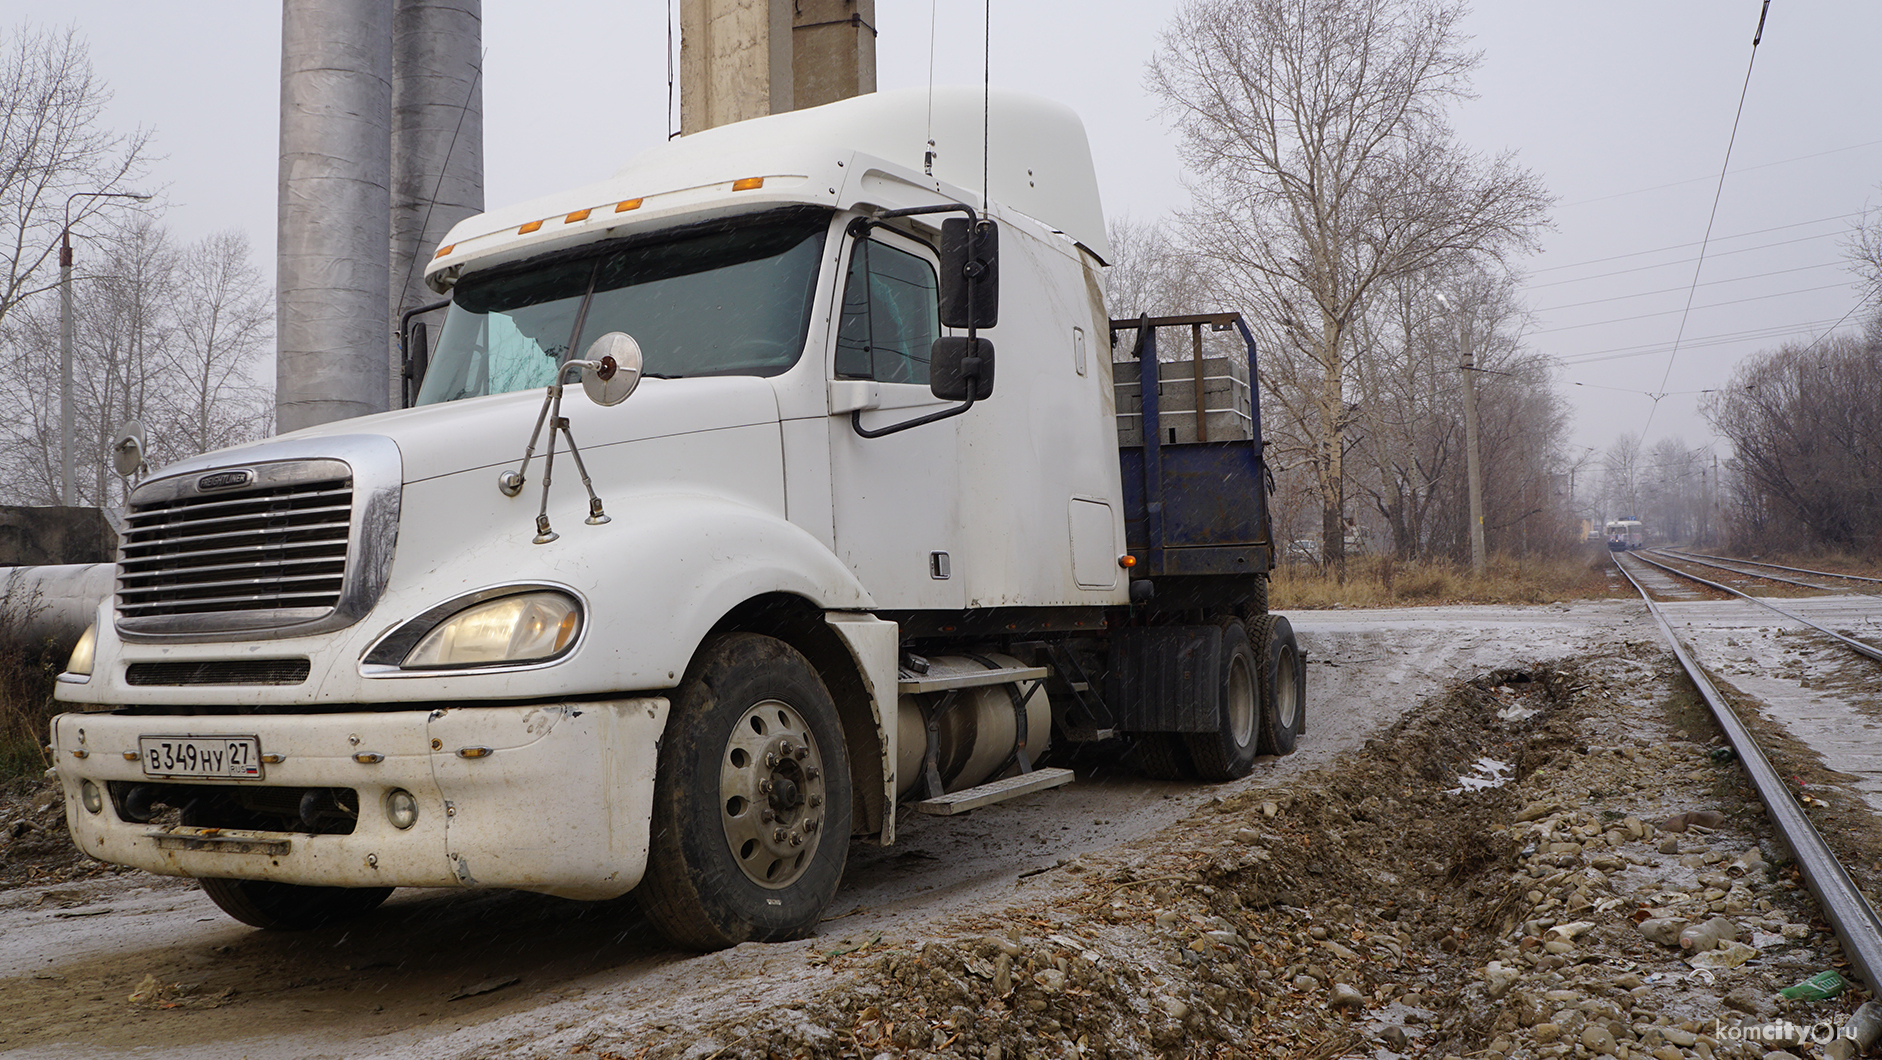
(1857,646)
(1849,914)
(1700,557)
(1707,562)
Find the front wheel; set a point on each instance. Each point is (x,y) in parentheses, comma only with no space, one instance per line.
(274,906)
(751,814)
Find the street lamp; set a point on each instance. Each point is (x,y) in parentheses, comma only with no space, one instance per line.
(65,334)
(1472,462)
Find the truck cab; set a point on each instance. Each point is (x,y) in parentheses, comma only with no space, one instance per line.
(771,484)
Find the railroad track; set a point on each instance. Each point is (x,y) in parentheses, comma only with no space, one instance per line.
(1849,914)
(1737,566)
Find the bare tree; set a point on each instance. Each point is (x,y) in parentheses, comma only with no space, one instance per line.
(1620,486)
(52,145)
(1865,260)
(1319,127)
(165,336)
(1807,436)
(223,324)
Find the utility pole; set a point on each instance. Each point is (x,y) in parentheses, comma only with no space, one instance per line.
(1473,464)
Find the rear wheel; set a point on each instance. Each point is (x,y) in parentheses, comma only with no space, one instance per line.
(274,906)
(1283,685)
(1228,753)
(751,817)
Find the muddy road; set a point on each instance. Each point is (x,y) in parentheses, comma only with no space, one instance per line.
(127,964)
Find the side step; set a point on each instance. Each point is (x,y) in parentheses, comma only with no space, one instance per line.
(995,791)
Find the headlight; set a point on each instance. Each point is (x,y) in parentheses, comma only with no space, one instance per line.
(523,628)
(79,665)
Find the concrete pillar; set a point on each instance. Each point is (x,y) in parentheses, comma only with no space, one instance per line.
(833,51)
(437,143)
(735,61)
(335,205)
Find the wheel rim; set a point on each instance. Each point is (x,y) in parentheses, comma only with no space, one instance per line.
(1286,691)
(1241,704)
(771,794)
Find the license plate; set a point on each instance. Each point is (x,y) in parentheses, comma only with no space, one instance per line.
(219,757)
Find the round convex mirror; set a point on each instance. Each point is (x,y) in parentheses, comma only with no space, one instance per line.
(127,449)
(620,360)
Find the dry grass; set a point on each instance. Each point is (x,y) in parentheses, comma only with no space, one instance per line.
(1379,581)
(27,673)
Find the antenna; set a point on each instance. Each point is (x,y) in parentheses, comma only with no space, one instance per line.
(928,159)
(986,111)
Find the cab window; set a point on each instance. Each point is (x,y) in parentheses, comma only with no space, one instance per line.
(891,315)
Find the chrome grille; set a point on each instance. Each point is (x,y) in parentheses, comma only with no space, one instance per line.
(274,547)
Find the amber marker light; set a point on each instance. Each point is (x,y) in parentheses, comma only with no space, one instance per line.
(443,250)
(748,184)
(579,215)
(626,204)
(528,228)
(1127,561)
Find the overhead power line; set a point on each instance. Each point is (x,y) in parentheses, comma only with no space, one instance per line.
(1683,246)
(1717,193)
(1681,261)
(1708,283)
(1688,310)
(1695,180)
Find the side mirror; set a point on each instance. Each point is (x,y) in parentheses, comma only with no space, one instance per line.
(953,361)
(417,359)
(127,449)
(970,273)
(611,369)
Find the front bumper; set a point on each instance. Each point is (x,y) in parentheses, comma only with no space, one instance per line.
(559,804)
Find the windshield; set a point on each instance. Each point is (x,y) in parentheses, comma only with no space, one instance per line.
(726,298)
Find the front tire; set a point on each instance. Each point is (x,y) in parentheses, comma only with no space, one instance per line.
(751,813)
(274,906)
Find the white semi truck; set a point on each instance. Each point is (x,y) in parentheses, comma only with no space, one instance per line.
(789,557)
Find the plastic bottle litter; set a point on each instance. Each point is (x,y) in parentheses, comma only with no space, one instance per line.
(1815,988)
(1698,938)
(1859,1035)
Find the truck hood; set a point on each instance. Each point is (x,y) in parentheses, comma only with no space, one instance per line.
(457,436)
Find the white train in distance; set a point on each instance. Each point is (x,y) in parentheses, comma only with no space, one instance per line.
(1626,535)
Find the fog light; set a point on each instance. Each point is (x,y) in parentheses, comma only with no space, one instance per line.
(401,808)
(93,799)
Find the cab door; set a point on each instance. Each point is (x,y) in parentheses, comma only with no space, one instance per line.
(895,500)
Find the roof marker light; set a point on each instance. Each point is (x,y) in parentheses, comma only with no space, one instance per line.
(626,205)
(528,228)
(748,184)
(579,215)
(443,250)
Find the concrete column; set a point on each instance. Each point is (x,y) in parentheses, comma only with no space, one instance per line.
(833,46)
(335,204)
(735,61)
(437,143)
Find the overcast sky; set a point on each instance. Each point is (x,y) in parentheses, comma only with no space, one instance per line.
(1623,107)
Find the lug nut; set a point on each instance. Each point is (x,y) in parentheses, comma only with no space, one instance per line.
(780,835)
(768,816)
(812,773)
(801,753)
(771,760)
(764,786)
(797,840)
(815,800)
(810,825)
